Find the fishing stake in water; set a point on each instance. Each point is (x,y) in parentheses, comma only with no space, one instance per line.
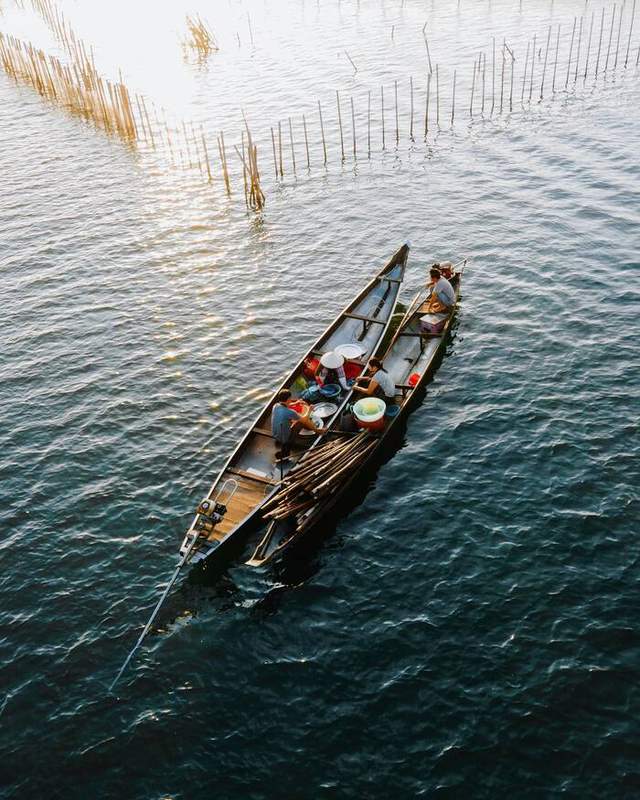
(210,513)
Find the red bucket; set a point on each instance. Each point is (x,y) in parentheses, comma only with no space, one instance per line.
(309,367)
(300,407)
(352,370)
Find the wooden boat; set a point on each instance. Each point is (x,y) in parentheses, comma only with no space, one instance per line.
(252,474)
(410,359)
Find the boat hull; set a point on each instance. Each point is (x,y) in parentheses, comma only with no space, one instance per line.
(286,540)
(252,465)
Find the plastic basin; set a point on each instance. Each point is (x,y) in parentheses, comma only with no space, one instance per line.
(369,413)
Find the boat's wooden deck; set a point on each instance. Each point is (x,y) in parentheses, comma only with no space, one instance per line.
(249,494)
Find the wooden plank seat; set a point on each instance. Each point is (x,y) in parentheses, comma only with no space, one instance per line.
(243,473)
(366,319)
(263,432)
(422,335)
(404,387)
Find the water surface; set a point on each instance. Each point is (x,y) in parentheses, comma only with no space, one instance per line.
(470,630)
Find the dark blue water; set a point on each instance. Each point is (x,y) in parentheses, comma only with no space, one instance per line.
(470,630)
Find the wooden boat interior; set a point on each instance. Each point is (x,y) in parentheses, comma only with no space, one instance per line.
(411,352)
(254,466)
(408,359)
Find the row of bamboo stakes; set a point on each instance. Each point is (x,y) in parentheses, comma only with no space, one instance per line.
(493,91)
(78,87)
(317,475)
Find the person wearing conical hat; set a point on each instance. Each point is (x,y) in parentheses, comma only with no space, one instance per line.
(331,370)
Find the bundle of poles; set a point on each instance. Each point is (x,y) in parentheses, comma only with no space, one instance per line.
(253,194)
(201,37)
(78,87)
(317,475)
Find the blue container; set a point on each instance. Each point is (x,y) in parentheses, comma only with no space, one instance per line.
(330,390)
(392,411)
(312,394)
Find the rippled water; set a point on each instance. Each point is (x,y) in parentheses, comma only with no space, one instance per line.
(470,629)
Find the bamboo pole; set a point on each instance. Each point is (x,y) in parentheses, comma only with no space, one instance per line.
(613,16)
(225,168)
(502,78)
(575,77)
(250,29)
(573,33)
(369,124)
(484,69)
(275,160)
(324,144)
(426,107)
(411,118)
(206,156)
(524,76)
(196,144)
(353,128)
(340,125)
(382,106)
(395,86)
(437,98)
(615,63)
(544,68)
(426,42)
(473,89)
(555,65)
(493,76)
(186,139)
(600,43)
(453,98)
(306,141)
(244,170)
(149,126)
(586,63)
(142,122)
(293,152)
(280,148)
(513,61)
(533,62)
(633,14)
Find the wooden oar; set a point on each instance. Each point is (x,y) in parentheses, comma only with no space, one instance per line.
(229,482)
(154,614)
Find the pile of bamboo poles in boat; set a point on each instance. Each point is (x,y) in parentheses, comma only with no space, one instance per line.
(78,87)
(316,475)
(201,37)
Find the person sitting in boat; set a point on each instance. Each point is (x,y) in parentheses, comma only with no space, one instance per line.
(285,423)
(330,370)
(377,382)
(442,297)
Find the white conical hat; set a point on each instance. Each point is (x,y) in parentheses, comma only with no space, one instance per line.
(332,360)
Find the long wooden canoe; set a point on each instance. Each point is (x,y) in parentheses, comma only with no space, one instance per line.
(410,353)
(251,474)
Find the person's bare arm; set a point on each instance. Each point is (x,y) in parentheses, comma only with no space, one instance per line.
(370,389)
